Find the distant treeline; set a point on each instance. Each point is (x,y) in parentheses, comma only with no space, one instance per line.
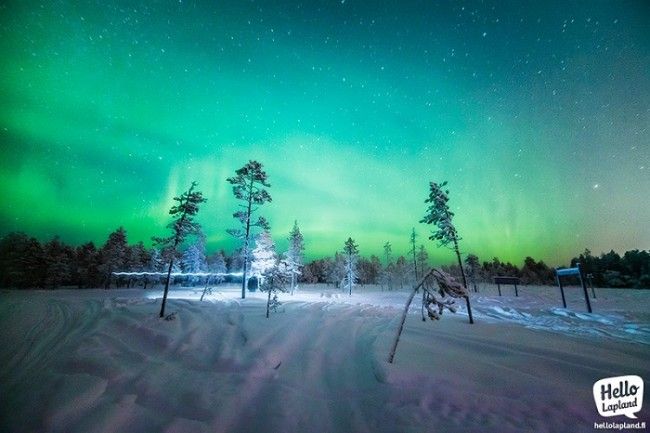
(632,270)
(27,263)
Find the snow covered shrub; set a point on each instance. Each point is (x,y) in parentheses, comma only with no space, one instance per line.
(275,281)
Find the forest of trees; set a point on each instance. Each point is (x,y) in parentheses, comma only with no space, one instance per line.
(27,263)
(632,270)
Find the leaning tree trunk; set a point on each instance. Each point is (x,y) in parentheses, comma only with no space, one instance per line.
(393,349)
(169,276)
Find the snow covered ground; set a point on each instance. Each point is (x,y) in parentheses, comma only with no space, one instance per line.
(101,361)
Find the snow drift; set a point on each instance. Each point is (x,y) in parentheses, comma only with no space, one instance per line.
(102,361)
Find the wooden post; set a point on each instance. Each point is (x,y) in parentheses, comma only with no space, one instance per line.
(499,287)
(559,282)
(584,288)
(516,292)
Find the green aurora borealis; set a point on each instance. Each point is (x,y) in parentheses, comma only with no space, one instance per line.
(537,113)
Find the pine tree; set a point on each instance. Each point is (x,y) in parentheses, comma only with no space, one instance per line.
(387,274)
(194,260)
(32,264)
(368,270)
(183,225)
(87,263)
(248,187)
(473,269)
(294,256)
(274,281)
(413,253)
(156,263)
(22,261)
(423,260)
(264,255)
(388,249)
(335,269)
(351,255)
(401,271)
(194,257)
(138,259)
(375,265)
(57,262)
(113,255)
(217,265)
(316,271)
(439,215)
(236,261)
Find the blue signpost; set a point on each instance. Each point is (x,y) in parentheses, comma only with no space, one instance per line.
(559,273)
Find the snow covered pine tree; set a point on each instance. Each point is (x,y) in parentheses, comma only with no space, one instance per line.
(248,188)
(264,256)
(275,281)
(351,255)
(439,215)
(294,255)
(182,226)
(216,265)
(194,260)
(387,274)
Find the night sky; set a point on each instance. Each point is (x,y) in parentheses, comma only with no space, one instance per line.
(537,113)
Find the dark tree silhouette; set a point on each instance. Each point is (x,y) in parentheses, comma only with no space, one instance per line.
(113,255)
(182,226)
